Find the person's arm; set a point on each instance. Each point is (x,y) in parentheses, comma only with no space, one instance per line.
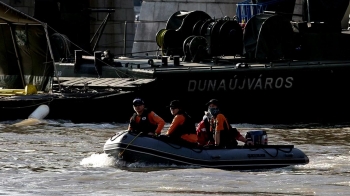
(221,120)
(239,137)
(129,127)
(178,120)
(137,120)
(154,118)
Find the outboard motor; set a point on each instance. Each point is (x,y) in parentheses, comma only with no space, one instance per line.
(257,137)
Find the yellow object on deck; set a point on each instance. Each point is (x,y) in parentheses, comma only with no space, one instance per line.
(7,94)
(29,90)
(11,92)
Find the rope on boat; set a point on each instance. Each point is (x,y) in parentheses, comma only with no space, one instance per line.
(277,150)
(31,105)
(120,155)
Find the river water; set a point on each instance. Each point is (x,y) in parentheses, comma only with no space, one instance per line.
(63,158)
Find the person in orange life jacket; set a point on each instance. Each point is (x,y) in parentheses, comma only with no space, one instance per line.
(219,124)
(144,120)
(203,130)
(182,126)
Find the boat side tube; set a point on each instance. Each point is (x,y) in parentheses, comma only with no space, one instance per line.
(140,148)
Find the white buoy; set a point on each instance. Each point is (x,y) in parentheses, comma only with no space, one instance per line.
(40,113)
(35,117)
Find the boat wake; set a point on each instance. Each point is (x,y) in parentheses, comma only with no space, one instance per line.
(149,166)
(98,160)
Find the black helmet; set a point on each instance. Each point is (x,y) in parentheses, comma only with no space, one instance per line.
(175,104)
(213,101)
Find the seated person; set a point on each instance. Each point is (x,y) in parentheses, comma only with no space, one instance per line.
(144,120)
(182,126)
(224,134)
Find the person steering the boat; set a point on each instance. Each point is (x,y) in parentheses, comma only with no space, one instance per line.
(224,134)
(182,126)
(144,120)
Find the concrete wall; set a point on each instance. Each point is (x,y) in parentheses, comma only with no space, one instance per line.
(346,18)
(113,36)
(155,13)
(140,36)
(24,6)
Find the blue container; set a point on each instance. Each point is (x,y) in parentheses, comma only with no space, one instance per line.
(246,9)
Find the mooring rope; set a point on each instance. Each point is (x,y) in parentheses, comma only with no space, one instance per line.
(121,153)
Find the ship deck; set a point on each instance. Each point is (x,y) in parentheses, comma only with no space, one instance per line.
(133,68)
(128,84)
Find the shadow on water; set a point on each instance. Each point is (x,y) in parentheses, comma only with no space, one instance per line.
(295,125)
(148,167)
(152,167)
(193,192)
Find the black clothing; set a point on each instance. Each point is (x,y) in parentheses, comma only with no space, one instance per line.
(144,124)
(187,127)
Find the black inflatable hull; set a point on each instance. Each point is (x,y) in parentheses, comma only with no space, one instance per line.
(138,148)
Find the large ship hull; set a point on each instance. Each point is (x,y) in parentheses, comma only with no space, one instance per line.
(313,92)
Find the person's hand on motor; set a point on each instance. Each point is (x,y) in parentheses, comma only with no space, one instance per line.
(249,143)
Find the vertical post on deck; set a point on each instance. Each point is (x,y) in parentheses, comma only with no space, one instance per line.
(98,62)
(308,11)
(78,60)
(125,28)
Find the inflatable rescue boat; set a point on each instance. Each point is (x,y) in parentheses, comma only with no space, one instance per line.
(133,147)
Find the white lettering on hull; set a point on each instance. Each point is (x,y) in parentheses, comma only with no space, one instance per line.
(240,84)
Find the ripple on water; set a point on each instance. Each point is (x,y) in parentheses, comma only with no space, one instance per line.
(63,158)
